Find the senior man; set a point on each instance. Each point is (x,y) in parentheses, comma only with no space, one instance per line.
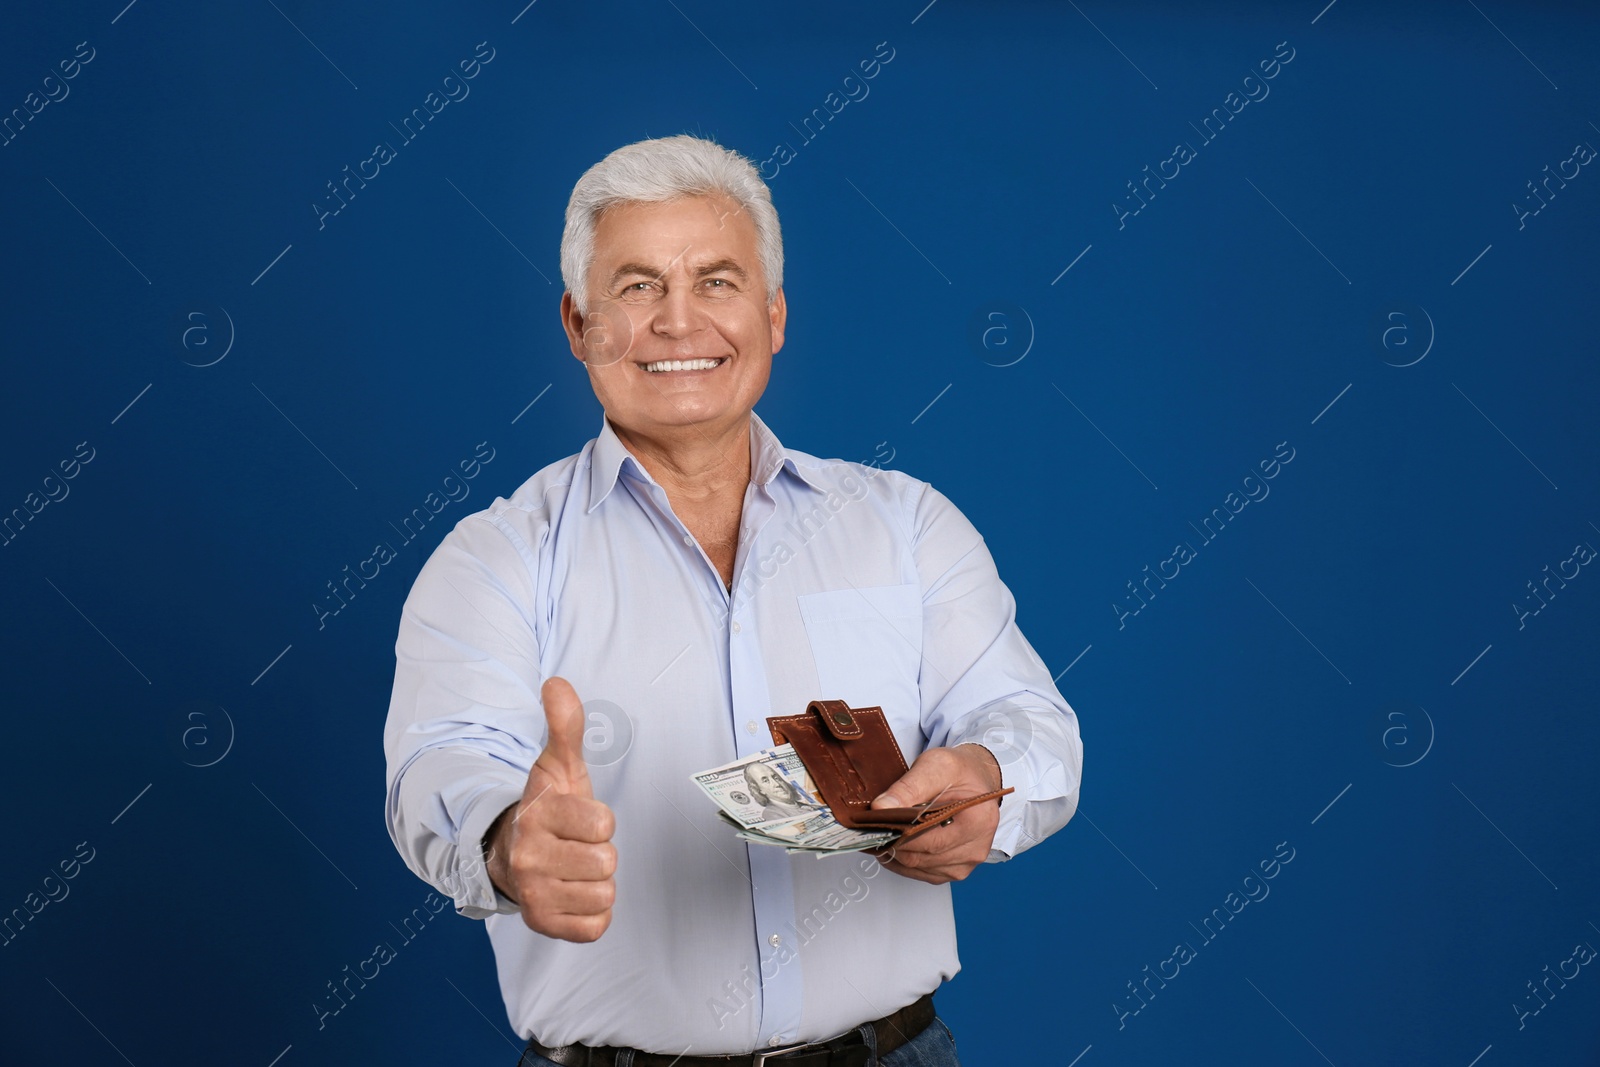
(687,576)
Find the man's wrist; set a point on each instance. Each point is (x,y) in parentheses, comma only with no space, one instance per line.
(991,765)
(496,846)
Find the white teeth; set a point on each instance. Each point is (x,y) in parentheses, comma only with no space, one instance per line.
(682,364)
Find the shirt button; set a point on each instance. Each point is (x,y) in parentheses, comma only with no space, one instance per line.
(774,941)
(774,1041)
(750,726)
(688,540)
(735,627)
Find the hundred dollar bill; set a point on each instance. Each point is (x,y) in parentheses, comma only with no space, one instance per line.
(768,789)
(770,799)
(858,846)
(818,833)
(839,839)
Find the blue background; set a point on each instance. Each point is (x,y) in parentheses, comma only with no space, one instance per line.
(1342,669)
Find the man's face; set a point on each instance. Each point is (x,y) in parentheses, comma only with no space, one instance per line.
(766,783)
(680,281)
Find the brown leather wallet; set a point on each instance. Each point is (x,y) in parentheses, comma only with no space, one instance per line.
(853,756)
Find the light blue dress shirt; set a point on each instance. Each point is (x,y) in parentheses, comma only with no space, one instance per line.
(850,582)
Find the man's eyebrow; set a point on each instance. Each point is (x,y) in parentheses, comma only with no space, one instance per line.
(634,268)
(723,266)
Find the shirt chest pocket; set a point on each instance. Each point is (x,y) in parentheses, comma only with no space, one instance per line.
(867,643)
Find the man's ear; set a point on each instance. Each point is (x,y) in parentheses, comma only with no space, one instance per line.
(777,317)
(572,321)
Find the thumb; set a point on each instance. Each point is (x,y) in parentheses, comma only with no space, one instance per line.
(562,758)
(918,785)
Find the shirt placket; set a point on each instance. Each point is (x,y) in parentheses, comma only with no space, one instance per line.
(771,880)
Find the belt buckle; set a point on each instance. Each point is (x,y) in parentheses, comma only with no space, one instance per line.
(760,1058)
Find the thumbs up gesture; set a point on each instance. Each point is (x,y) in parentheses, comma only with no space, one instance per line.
(551,852)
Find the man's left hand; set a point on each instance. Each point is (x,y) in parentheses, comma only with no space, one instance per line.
(945,853)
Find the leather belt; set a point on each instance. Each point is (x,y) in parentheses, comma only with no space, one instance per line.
(846,1050)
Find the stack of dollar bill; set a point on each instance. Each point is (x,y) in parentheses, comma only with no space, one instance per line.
(771,800)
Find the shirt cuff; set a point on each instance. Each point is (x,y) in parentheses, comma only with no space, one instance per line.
(476,896)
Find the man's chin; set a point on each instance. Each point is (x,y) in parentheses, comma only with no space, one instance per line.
(678,413)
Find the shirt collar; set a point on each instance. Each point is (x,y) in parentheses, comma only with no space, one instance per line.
(610,456)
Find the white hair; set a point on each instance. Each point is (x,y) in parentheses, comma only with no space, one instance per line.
(662,169)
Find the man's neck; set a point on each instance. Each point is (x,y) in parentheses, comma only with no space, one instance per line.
(698,466)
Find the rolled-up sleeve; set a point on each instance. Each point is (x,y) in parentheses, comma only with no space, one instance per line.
(465,722)
(982,682)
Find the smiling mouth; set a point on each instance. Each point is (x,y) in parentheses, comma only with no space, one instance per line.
(664,366)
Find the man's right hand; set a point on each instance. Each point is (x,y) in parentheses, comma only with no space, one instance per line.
(551,852)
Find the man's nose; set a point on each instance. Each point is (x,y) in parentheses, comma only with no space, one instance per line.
(677,314)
